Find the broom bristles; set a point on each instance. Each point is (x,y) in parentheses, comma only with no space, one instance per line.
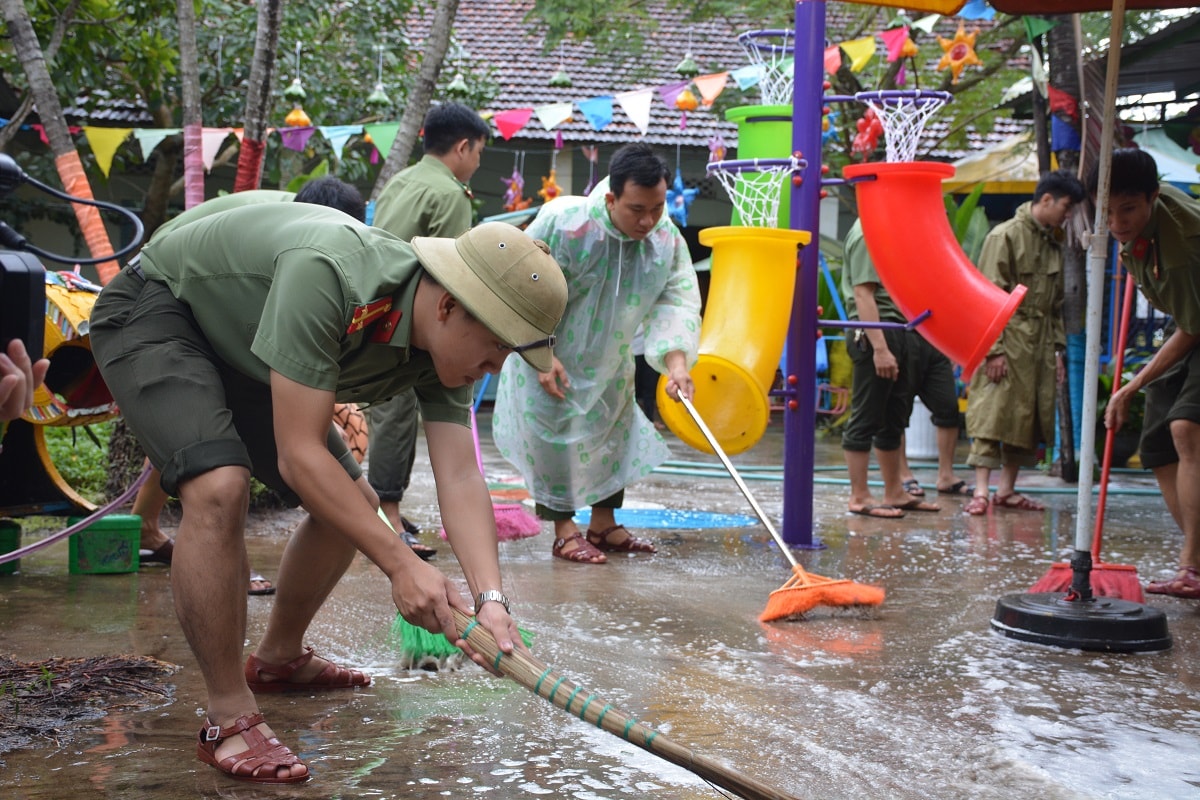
(514,522)
(1118,581)
(422,649)
(804,591)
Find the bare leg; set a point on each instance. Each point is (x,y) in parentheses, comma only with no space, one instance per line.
(893,489)
(947,440)
(208,582)
(149,503)
(857,465)
(1186,435)
(1008,480)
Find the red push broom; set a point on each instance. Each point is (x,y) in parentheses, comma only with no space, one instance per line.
(804,591)
(1107,580)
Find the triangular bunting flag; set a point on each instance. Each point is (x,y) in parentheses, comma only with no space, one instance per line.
(383,134)
(296,138)
(710,86)
(338,135)
(637,107)
(148,138)
(977,9)
(598,111)
(1036,26)
(860,52)
(894,40)
(211,139)
(1037,69)
(926,24)
(239,133)
(554,114)
(671,91)
(833,59)
(745,77)
(511,121)
(104,143)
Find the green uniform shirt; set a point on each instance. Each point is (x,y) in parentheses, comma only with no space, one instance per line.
(424,200)
(310,293)
(857,269)
(223,203)
(1165,258)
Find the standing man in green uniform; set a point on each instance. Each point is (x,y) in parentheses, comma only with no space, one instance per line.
(227,346)
(1158,228)
(881,395)
(1011,405)
(430,198)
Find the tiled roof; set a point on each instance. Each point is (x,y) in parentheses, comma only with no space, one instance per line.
(497,34)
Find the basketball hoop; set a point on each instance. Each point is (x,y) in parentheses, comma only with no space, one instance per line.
(755,186)
(903,114)
(772,52)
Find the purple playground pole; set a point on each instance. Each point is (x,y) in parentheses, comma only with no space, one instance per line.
(800,414)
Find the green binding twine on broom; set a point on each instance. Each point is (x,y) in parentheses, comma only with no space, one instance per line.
(420,649)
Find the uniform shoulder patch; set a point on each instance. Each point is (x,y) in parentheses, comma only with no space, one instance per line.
(365,315)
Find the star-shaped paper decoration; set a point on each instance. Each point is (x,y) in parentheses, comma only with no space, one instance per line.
(958,52)
(550,188)
(679,200)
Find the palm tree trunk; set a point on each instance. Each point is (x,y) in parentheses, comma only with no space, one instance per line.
(258,96)
(66,157)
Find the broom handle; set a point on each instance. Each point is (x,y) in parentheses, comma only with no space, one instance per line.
(1111,433)
(549,685)
(733,473)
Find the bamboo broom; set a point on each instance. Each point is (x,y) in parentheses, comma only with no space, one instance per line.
(550,685)
(804,591)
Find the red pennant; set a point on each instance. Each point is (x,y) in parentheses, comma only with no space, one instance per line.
(511,121)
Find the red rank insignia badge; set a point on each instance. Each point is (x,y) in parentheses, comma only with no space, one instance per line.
(365,315)
(1140,247)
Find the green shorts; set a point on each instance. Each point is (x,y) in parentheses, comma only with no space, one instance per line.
(1173,395)
(190,411)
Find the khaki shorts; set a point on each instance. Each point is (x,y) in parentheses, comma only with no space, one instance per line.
(190,412)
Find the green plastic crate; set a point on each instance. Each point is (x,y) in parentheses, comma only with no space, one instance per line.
(107,546)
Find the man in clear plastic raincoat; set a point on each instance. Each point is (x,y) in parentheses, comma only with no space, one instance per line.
(576,433)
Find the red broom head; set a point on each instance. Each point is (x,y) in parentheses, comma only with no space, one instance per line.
(792,602)
(1119,581)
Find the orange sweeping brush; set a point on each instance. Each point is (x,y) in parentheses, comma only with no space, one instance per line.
(1107,580)
(804,591)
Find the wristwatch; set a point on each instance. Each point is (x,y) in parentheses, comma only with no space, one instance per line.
(490,594)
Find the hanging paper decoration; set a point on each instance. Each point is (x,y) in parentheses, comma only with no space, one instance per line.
(513,199)
(598,111)
(511,121)
(860,52)
(560,79)
(686,101)
(828,127)
(926,24)
(710,86)
(668,92)
(898,43)
(679,200)
(592,154)
(339,135)
(295,94)
(378,99)
(716,148)
(977,9)
(457,88)
(958,52)
(688,67)
(550,188)
(637,107)
(296,138)
(870,128)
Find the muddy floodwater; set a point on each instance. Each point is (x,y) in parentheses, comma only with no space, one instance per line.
(919,700)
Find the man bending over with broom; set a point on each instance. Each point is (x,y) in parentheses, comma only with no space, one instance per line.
(228,344)
(1158,227)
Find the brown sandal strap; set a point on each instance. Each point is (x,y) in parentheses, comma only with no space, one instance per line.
(211,733)
(585,553)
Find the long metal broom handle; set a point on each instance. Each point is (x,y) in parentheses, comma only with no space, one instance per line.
(741,484)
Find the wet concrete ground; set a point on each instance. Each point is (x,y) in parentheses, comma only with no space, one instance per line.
(920,700)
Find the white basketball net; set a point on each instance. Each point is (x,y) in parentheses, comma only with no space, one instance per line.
(903,120)
(774,57)
(756,194)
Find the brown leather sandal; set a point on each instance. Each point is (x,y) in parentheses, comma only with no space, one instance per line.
(630,544)
(584,552)
(262,755)
(280,676)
